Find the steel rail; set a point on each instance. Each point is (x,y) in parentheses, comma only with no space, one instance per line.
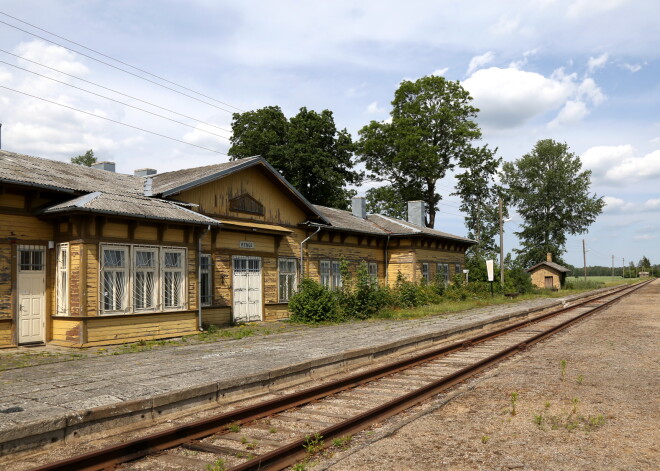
(140,447)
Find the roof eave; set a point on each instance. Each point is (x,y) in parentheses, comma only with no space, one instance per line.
(76,209)
(40,186)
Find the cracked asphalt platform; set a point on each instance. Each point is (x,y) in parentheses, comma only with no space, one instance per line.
(71,399)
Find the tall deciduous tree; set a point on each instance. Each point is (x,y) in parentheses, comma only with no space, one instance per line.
(87,159)
(551,193)
(431,128)
(307,150)
(479,193)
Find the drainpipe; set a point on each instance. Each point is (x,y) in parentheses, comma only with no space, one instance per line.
(199,277)
(302,265)
(387,279)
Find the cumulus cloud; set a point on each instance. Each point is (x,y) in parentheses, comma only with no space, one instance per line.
(619,165)
(589,89)
(571,113)
(373,108)
(479,61)
(519,64)
(595,63)
(50,55)
(510,97)
(440,72)
(617,205)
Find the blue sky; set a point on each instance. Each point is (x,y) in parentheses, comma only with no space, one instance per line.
(583,72)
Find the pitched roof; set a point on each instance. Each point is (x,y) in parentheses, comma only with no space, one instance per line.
(553,265)
(131,206)
(381,225)
(62,176)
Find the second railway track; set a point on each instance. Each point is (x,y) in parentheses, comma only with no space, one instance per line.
(277,433)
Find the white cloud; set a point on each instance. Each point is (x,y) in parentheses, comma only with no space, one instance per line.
(619,165)
(595,63)
(509,97)
(505,25)
(51,55)
(590,90)
(645,237)
(373,108)
(440,72)
(522,62)
(591,7)
(615,205)
(479,61)
(571,113)
(652,204)
(633,67)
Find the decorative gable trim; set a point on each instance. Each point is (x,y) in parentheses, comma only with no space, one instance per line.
(246,204)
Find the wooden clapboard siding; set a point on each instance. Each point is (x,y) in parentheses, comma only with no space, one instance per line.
(92,288)
(213,198)
(12,200)
(173,234)
(108,330)
(115,230)
(220,316)
(269,273)
(400,261)
(149,233)
(77,272)
(6,263)
(276,312)
(222,279)
(193,279)
(67,331)
(27,228)
(6,333)
(229,241)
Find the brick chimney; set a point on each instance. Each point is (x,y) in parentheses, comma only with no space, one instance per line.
(548,257)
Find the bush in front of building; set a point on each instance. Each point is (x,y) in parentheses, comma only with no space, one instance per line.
(362,297)
(313,302)
(517,280)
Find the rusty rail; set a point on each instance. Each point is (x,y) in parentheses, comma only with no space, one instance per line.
(295,451)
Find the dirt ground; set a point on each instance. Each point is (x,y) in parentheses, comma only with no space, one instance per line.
(601,413)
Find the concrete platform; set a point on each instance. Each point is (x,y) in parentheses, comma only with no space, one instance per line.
(46,404)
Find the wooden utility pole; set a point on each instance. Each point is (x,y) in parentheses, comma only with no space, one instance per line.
(584,255)
(501,248)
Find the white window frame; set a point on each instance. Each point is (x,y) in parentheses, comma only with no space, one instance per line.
(325,277)
(426,274)
(155,270)
(287,279)
(336,274)
(174,270)
(373,271)
(62,280)
(206,279)
(445,270)
(124,307)
(130,271)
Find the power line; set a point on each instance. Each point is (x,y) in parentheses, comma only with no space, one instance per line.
(114,91)
(121,62)
(116,101)
(113,121)
(115,67)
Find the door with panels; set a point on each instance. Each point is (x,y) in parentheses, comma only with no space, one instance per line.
(246,282)
(31,293)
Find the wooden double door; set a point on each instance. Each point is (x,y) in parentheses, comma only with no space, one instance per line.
(247,289)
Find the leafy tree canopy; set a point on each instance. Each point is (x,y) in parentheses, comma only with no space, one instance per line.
(307,150)
(86,159)
(431,129)
(551,193)
(644,262)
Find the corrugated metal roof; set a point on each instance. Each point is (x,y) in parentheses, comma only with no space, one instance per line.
(131,206)
(554,265)
(255,225)
(398,226)
(45,173)
(346,220)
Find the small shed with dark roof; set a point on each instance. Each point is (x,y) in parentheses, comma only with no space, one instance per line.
(548,274)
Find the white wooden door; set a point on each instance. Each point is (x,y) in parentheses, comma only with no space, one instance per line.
(31,294)
(247,289)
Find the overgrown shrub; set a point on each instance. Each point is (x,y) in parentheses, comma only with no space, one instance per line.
(362,298)
(313,302)
(517,280)
(583,284)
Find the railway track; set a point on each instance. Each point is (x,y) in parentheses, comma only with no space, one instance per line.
(279,432)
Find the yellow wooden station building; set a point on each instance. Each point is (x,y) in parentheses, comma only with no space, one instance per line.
(93,257)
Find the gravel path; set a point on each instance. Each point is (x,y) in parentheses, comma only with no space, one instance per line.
(603,415)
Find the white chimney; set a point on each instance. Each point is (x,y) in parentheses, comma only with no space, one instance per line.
(416,213)
(144,172)
(360,207)
(109,166)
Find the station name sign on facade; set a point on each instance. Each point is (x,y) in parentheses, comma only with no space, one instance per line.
(244,244)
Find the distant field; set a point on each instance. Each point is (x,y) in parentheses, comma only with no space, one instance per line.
(609,280)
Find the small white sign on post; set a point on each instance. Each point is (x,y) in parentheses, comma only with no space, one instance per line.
(490,269)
